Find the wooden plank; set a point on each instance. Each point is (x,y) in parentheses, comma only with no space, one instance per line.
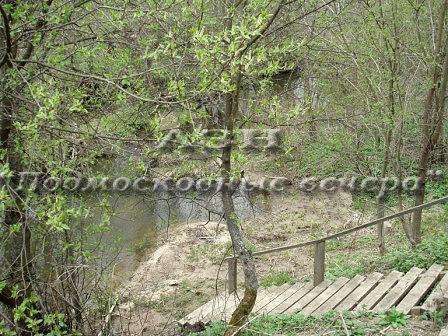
(269,294)
(398,291)
(216,310)
(224,308)
(444,286)
(308,297)
(340,295)
(295,295)
(262,297)
(201,312)
(319,263)
(324,296)
(271,298)
(197,314)
(379,291)
(230,306)
(421,288)
(273,306)
(438,292)
(360,293)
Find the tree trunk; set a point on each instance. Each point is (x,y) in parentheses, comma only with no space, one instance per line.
(381,207)
(17,248)
(399,176)
(247,303)
(433,117)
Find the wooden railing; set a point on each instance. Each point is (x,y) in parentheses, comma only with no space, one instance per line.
(319,245)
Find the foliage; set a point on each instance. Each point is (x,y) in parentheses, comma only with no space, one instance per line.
(87,83)
(394,318)
(433,249)
(287,325)
(28,314)
(437,316)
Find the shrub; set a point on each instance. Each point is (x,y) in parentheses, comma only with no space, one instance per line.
(433,249)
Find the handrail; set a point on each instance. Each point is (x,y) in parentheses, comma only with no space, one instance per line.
(319,245)
(351,230)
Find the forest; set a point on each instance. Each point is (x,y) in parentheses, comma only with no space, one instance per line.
(161,158)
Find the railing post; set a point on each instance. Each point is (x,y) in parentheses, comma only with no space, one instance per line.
(319,263)
(231,275)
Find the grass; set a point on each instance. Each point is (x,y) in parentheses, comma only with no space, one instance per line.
(276,279)
(433,249)
(215,252)
(348,262)
(359,324)
(347,243)
(394,319)
(339,266)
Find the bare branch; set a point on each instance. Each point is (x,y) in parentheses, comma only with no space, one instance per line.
(95,77)
(7,32)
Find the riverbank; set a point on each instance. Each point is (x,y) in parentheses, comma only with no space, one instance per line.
(186,269)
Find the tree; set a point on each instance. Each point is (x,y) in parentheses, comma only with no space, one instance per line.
(433,116)
(376,68)
(224,59)
(53,107)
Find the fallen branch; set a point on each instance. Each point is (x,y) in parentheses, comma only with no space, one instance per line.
(344,324)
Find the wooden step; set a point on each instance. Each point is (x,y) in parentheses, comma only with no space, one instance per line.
(217,311)
(339,296)
(308,297)
(324,296)
(201,313)
(227,308)
(266,296)
(372,292)
(397,292)
(420,289)
(296,295)
(440,291)
(360,293)
(272,297)
(379,291)
(273,306)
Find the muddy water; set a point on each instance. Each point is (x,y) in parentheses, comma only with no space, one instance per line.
(138,222)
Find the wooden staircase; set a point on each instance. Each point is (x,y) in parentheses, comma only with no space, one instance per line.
(414,292)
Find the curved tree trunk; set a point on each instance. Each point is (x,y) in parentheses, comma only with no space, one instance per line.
(247,303)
